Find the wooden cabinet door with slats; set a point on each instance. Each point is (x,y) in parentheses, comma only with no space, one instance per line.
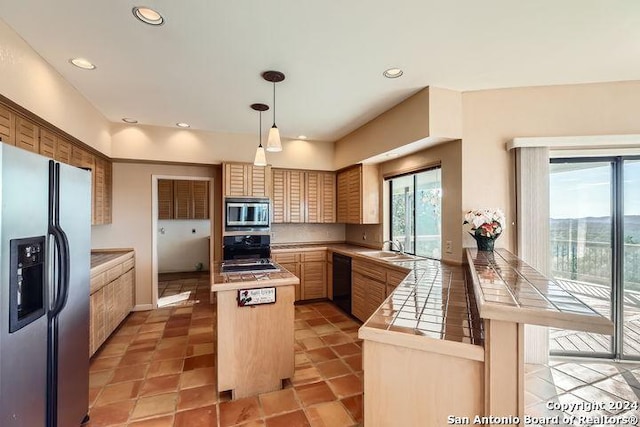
(355,196)
(294,206)
(182,199)
(235,179)
(342,208)
(108,192)
(7,126)
(259,183)
(48,142)
(27,135)
(279,192)
(328,197)
(313,196)
(165,199)
(98,190)
(314,280)
(200,196)
(63,151)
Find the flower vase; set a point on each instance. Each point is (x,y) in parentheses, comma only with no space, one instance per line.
(484,243)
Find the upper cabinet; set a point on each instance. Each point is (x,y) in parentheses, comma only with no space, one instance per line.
(19,130)
(303,196)
(358,195)
(7,125)
(183,199)
(244,179)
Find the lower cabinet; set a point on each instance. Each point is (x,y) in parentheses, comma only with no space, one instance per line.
(112,299)
(311,268)
(371,283)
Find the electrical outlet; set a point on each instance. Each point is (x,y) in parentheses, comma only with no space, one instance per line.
(364,236)
(448,247)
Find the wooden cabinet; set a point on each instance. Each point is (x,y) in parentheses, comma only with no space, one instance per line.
(7,126)
(48,142)
(112,297)
(27,135)
(310,267)
(102,188)
(63,151)
(314,275)
(288,196)
(183,199)
(371,283)
(358,195)
(244,179)
(303,196)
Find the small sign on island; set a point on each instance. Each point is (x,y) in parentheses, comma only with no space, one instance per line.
(256,296)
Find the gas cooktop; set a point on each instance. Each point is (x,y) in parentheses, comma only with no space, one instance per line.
(262,265)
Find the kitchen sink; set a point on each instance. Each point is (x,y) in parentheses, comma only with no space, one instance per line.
(388,255)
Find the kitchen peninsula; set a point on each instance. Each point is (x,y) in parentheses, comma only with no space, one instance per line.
(255,342)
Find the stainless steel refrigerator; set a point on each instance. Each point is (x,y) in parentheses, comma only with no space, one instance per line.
(45,232)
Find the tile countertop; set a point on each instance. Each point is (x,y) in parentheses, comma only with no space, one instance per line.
(234,281)
(508,289)
(103,259)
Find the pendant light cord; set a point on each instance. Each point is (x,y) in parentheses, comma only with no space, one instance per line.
(274,103)
(260,130)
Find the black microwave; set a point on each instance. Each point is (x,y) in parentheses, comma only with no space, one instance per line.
(244,214)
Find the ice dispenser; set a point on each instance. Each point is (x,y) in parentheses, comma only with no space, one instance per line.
(26,281)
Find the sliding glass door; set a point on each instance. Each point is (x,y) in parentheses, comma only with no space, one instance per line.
(595,249)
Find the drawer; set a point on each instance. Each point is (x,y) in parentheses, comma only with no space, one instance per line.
(97,282)
(286,258)
(128,265)
(314,256)
(114,272)
(394,277)
(370,269)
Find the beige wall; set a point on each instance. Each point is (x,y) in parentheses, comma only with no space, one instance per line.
(449,156)
(492,118)
(29,81)
(131,227)
(193,146)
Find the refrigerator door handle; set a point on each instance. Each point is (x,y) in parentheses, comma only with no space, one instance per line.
(60,292)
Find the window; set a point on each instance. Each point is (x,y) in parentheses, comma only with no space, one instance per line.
(416,211)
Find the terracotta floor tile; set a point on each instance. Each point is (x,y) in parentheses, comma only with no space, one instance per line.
(355,362)
(202,361)
(278,402)
(135,358)
(321,354)
(165,367)
(200,417)
(253,423)
(109,415)
(301,334)
(318,392)
(239,411)
(118,392)
(199,349)
(346,386)
(300,324)
(325,329)
(333,368)
(200,338)
(176,322)
(104,363)
(112,349)
(176,352)
(175,332)
(142,346)
(166,421)
(346,349)
(302,359)
(336,339)
(197,378)
(159,385)
(311,343)
(94,392)
(151,327)
(147,337)
(172,342)
(292,419)
(306,375)
(355,406)
(317,321)
(197,397)
(100,378)
(155,405)
(129,373)
(331,414)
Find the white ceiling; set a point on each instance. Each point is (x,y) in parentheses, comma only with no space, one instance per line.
(203,65)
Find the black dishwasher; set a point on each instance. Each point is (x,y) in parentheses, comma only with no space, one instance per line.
(342,282)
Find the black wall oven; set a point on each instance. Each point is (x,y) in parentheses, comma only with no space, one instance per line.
(244,214)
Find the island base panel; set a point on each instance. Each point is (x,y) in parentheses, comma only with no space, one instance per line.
(255,344)
(409,387)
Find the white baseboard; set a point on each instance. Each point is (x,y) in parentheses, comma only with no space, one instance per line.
(143,307)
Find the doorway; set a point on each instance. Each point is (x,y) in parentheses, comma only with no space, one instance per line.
(595,250)
(182,231)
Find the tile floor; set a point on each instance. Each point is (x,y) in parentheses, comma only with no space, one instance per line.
(158,369)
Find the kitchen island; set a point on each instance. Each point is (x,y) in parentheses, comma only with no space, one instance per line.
(255,330)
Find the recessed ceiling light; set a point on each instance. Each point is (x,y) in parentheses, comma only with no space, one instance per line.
(392,73)
(183,125)
(130,121)
(302,136)
(147,15)
(85,64)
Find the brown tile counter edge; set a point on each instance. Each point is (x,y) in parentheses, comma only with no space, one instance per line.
(103,259)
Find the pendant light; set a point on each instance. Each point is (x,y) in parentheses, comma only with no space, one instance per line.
(273,142)
(260,159)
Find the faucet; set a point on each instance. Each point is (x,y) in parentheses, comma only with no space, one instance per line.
(397,243)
